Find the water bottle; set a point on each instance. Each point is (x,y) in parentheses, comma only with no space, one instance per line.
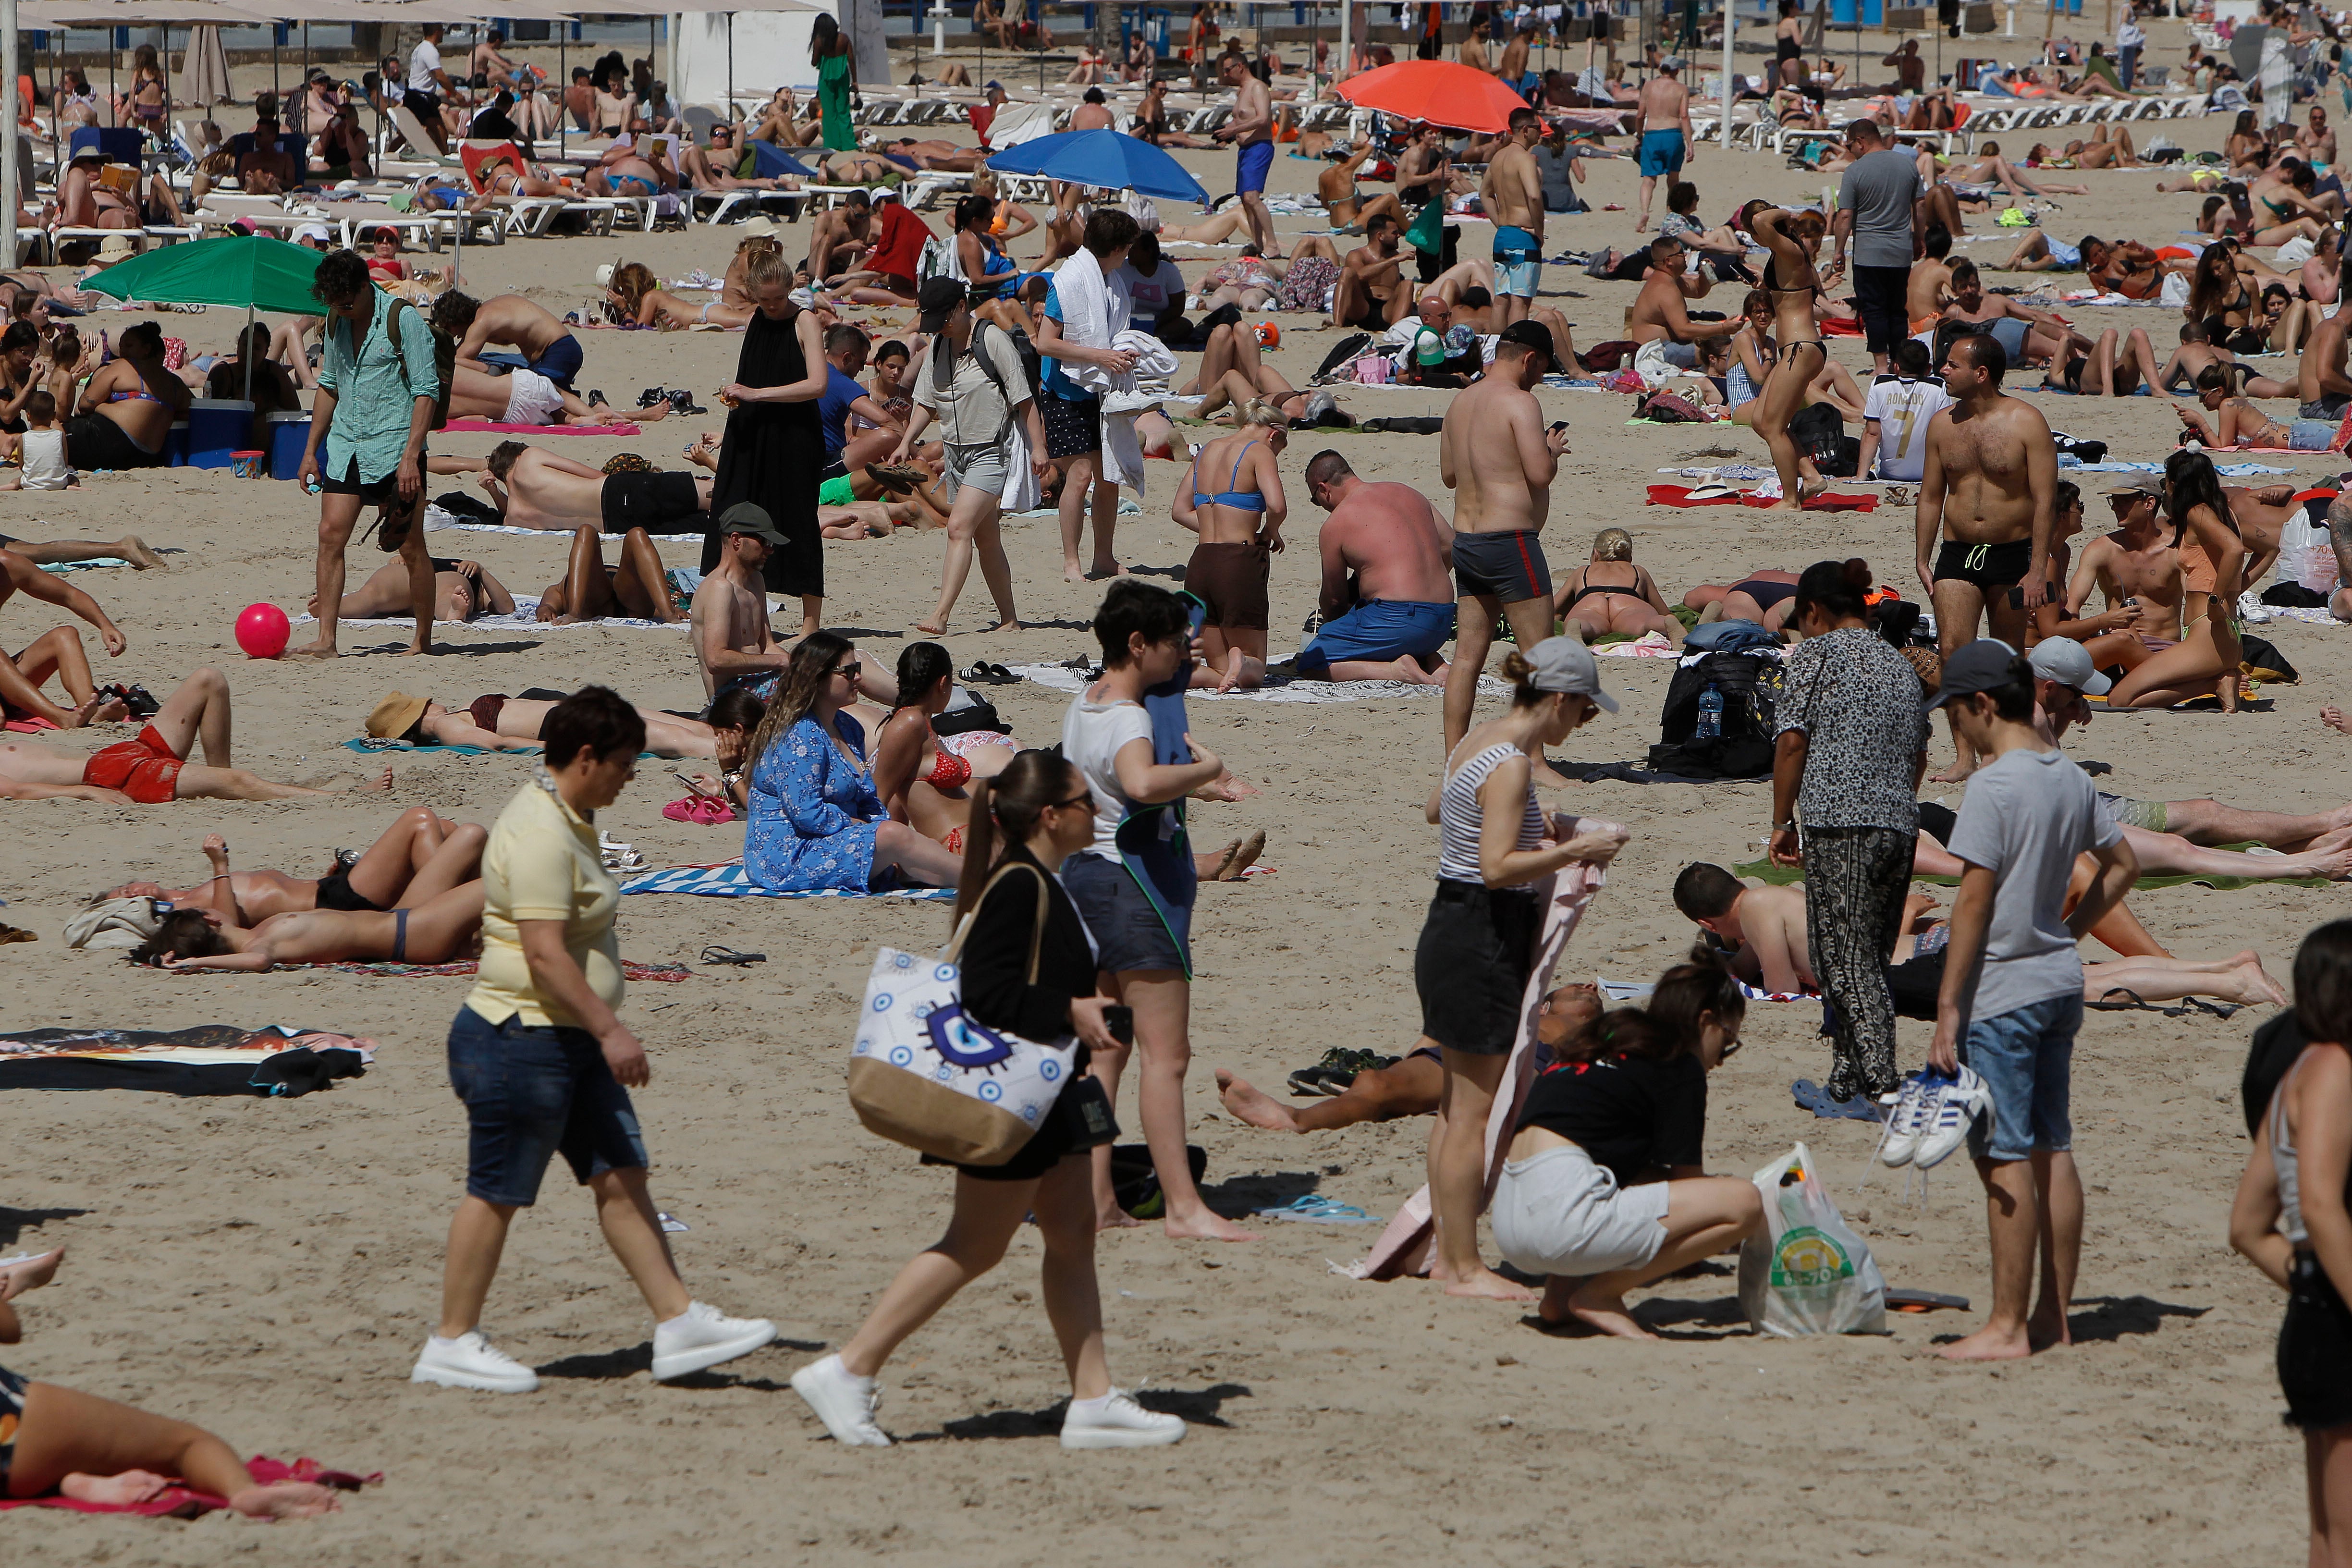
(1710,715)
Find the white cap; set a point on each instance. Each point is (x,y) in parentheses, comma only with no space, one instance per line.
(1566,665)
(2068,662)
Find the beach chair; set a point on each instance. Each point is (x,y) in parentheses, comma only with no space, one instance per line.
(529,216)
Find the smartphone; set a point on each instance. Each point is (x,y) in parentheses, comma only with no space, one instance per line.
(1558,425)
(1120,1022)
(685,779)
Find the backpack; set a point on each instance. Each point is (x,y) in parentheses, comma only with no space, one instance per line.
(1742,749)
(1818,431)
(938,259)
(445,361)
(942,376)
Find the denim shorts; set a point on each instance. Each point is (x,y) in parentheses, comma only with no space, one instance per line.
(2026,1057)
(530,1094)
(1127,930)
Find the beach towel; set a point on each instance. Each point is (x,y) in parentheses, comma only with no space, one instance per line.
(438,518)
(181,1502)
(1829,500)
(658,974)
(524,618)
(1403,1248)
(279,1061)
(728,880)
(1280,686)
(2228,470)
(544,429)
(1095,311)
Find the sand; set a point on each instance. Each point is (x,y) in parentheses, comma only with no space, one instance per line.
(269,1270)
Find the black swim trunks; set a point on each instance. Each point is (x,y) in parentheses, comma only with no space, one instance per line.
(1989,567)
(335,892)
(1506,567)
(656,503)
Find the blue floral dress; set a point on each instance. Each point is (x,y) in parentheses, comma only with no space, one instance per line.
(814,813)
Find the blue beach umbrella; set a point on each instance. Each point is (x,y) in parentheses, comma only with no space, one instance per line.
(1104,159)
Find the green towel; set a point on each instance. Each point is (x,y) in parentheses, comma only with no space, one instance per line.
(1428,230)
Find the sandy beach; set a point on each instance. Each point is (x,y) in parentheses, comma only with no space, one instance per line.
(268,1269)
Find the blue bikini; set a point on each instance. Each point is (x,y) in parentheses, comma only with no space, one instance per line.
(1240,501)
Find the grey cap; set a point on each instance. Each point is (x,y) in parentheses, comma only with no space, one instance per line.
(749,517)
(1566,665)
(2068,662)
(1982,666)
(2151,487)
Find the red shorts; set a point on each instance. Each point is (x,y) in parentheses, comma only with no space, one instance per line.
(145,768)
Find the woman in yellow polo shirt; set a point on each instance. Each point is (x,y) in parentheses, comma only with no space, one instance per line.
(541,1058)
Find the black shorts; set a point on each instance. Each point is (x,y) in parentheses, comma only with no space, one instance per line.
(1230,581)
(1506,567)
(94,442)
(2314,1350)
(372,492)
(1072,428)
(1988,567)
(1080,1119)
(1470,966)
(655,501)
(1879,297)
(335,892)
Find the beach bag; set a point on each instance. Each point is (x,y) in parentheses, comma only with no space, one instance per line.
(1669,408)
(1741,747)
(1375,370)
(2305,554)
(1806,1272)
(924,1074)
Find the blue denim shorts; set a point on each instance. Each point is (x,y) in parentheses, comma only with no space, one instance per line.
(2026,1058)
(532,1093)
(1126,928)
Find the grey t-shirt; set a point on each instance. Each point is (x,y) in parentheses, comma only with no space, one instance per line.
(2025,817)
(1879,190)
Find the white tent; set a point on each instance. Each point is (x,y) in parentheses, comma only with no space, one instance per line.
(771,49)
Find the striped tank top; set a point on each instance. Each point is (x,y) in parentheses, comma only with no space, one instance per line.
(1459,816)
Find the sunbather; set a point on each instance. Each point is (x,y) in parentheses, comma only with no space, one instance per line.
(502,723)
(635,299)
(623,170)
(2238,423)
(420,855)
(526,397)
(921,774)
(57,652)
(461,591)
(1611,594)
(438,931)
(1765,597)
(590,590)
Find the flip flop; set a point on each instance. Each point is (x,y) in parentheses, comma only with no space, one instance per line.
(717,954)
(896,479)
(2106,1004)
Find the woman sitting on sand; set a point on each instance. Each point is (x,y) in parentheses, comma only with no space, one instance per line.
(2205,661)
(437,930)
(1581,1200)
(1612,595)
(733,716)
(816,824)
(921,774)
(461,590)
(54,1442)
(502,723)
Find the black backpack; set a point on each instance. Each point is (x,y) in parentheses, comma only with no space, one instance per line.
(1818,431)
(1742,749)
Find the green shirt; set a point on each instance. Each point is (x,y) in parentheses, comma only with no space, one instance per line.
(375,389)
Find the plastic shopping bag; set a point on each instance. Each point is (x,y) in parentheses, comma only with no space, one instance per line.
(1806,1273)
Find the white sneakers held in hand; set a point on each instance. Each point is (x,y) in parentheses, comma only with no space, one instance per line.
(1931,1117)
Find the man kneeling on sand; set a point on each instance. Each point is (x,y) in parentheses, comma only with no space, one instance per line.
(1388,595)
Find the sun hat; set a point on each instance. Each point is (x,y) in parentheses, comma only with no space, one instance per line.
(1564,664)
(396,715)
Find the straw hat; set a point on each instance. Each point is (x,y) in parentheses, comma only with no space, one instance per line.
(117,247)
(396,715)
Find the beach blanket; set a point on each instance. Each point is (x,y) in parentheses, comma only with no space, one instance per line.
(436,518)
(1279,686)
(501,426)
(728,880)
(1782,875)
(2228,470)
(1403,1248)
(1829,500)
(369,743)
(524,618)
(180,1501)
(208,1060)
(658,974)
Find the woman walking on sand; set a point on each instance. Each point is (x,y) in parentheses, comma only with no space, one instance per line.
(773,446)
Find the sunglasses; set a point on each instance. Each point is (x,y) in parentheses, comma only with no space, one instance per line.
(852,669)
(1085,797)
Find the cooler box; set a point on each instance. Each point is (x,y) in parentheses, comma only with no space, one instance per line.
(288,434)
(217,427)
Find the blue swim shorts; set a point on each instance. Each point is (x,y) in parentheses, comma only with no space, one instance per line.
(1661,152)
(1256,163)
(1380,630)
(2026,1057)
(560,363)
(1519,261)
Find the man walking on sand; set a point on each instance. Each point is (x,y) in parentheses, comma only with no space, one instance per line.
(1494,454)
(1251,130)
(377,384)
(1512,195)
(1667,141)
(1988,490)
(2013,994)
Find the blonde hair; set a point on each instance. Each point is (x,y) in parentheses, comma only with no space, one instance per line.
(633,280)
(1261,411)
(764,263)
(1613,545)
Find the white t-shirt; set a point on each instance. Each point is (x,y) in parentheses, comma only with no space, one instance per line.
(423,62)
(44,457)
(1092,736)
(1903,409)
(1151,297)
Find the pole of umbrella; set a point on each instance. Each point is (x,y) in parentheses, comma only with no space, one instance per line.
(8,138)
(1730,92)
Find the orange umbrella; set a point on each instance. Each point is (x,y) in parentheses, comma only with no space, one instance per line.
(1440,92)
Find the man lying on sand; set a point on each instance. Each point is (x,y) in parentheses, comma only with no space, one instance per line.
(154,767)
(461,591)
(420,850)
(536,489)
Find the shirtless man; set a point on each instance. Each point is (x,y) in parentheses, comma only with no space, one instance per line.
(1474,46)
(536,489)
(155,768)
(1990,489)
(840,236)
(2138,571)
(2026,337)
(377,880)
(1764,928)
(733,642)
(1371,292)
(1513,71)
(1251,130)
(2319,379)
(1930,288)
(1424,172)
(1512,195)
(1494,454)
(2317,139)
(1667,141)
(2197,352)
(1386,600)
(1093,113)
(56,652)
(1659,321)
(513,321)
(264,169)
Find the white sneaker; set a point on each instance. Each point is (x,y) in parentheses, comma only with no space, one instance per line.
(844,1401)
(470,1360)
(1117,1421)
(1915,1103)
(1137,402)
(702,1336)
(1962,1101)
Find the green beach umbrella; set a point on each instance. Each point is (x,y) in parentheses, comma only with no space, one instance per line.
(247,271)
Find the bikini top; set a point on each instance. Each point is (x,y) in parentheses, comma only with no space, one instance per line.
(1240,501)
(137,394)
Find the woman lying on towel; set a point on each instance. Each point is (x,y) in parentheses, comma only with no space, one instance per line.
(421,854)
(439,930)
(634,298)
(919,773)
(56,1442)
(526,397)
(501,724)
(815,822)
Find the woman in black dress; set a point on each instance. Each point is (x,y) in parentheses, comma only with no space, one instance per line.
(773,446)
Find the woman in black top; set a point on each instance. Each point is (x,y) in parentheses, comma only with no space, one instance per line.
(1580,1198)
(1037,983)
(773,446)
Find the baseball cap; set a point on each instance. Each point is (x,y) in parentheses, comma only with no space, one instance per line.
(2068,662)
(2138,488)
(1530,335)
(937,301)
(749,517)
(1671,63)
(1981,665)
(1565,664)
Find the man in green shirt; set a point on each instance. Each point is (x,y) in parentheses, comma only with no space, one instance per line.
(377,386)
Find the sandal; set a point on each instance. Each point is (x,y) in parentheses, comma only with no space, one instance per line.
(717,954)
(896,479)
(702,810)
